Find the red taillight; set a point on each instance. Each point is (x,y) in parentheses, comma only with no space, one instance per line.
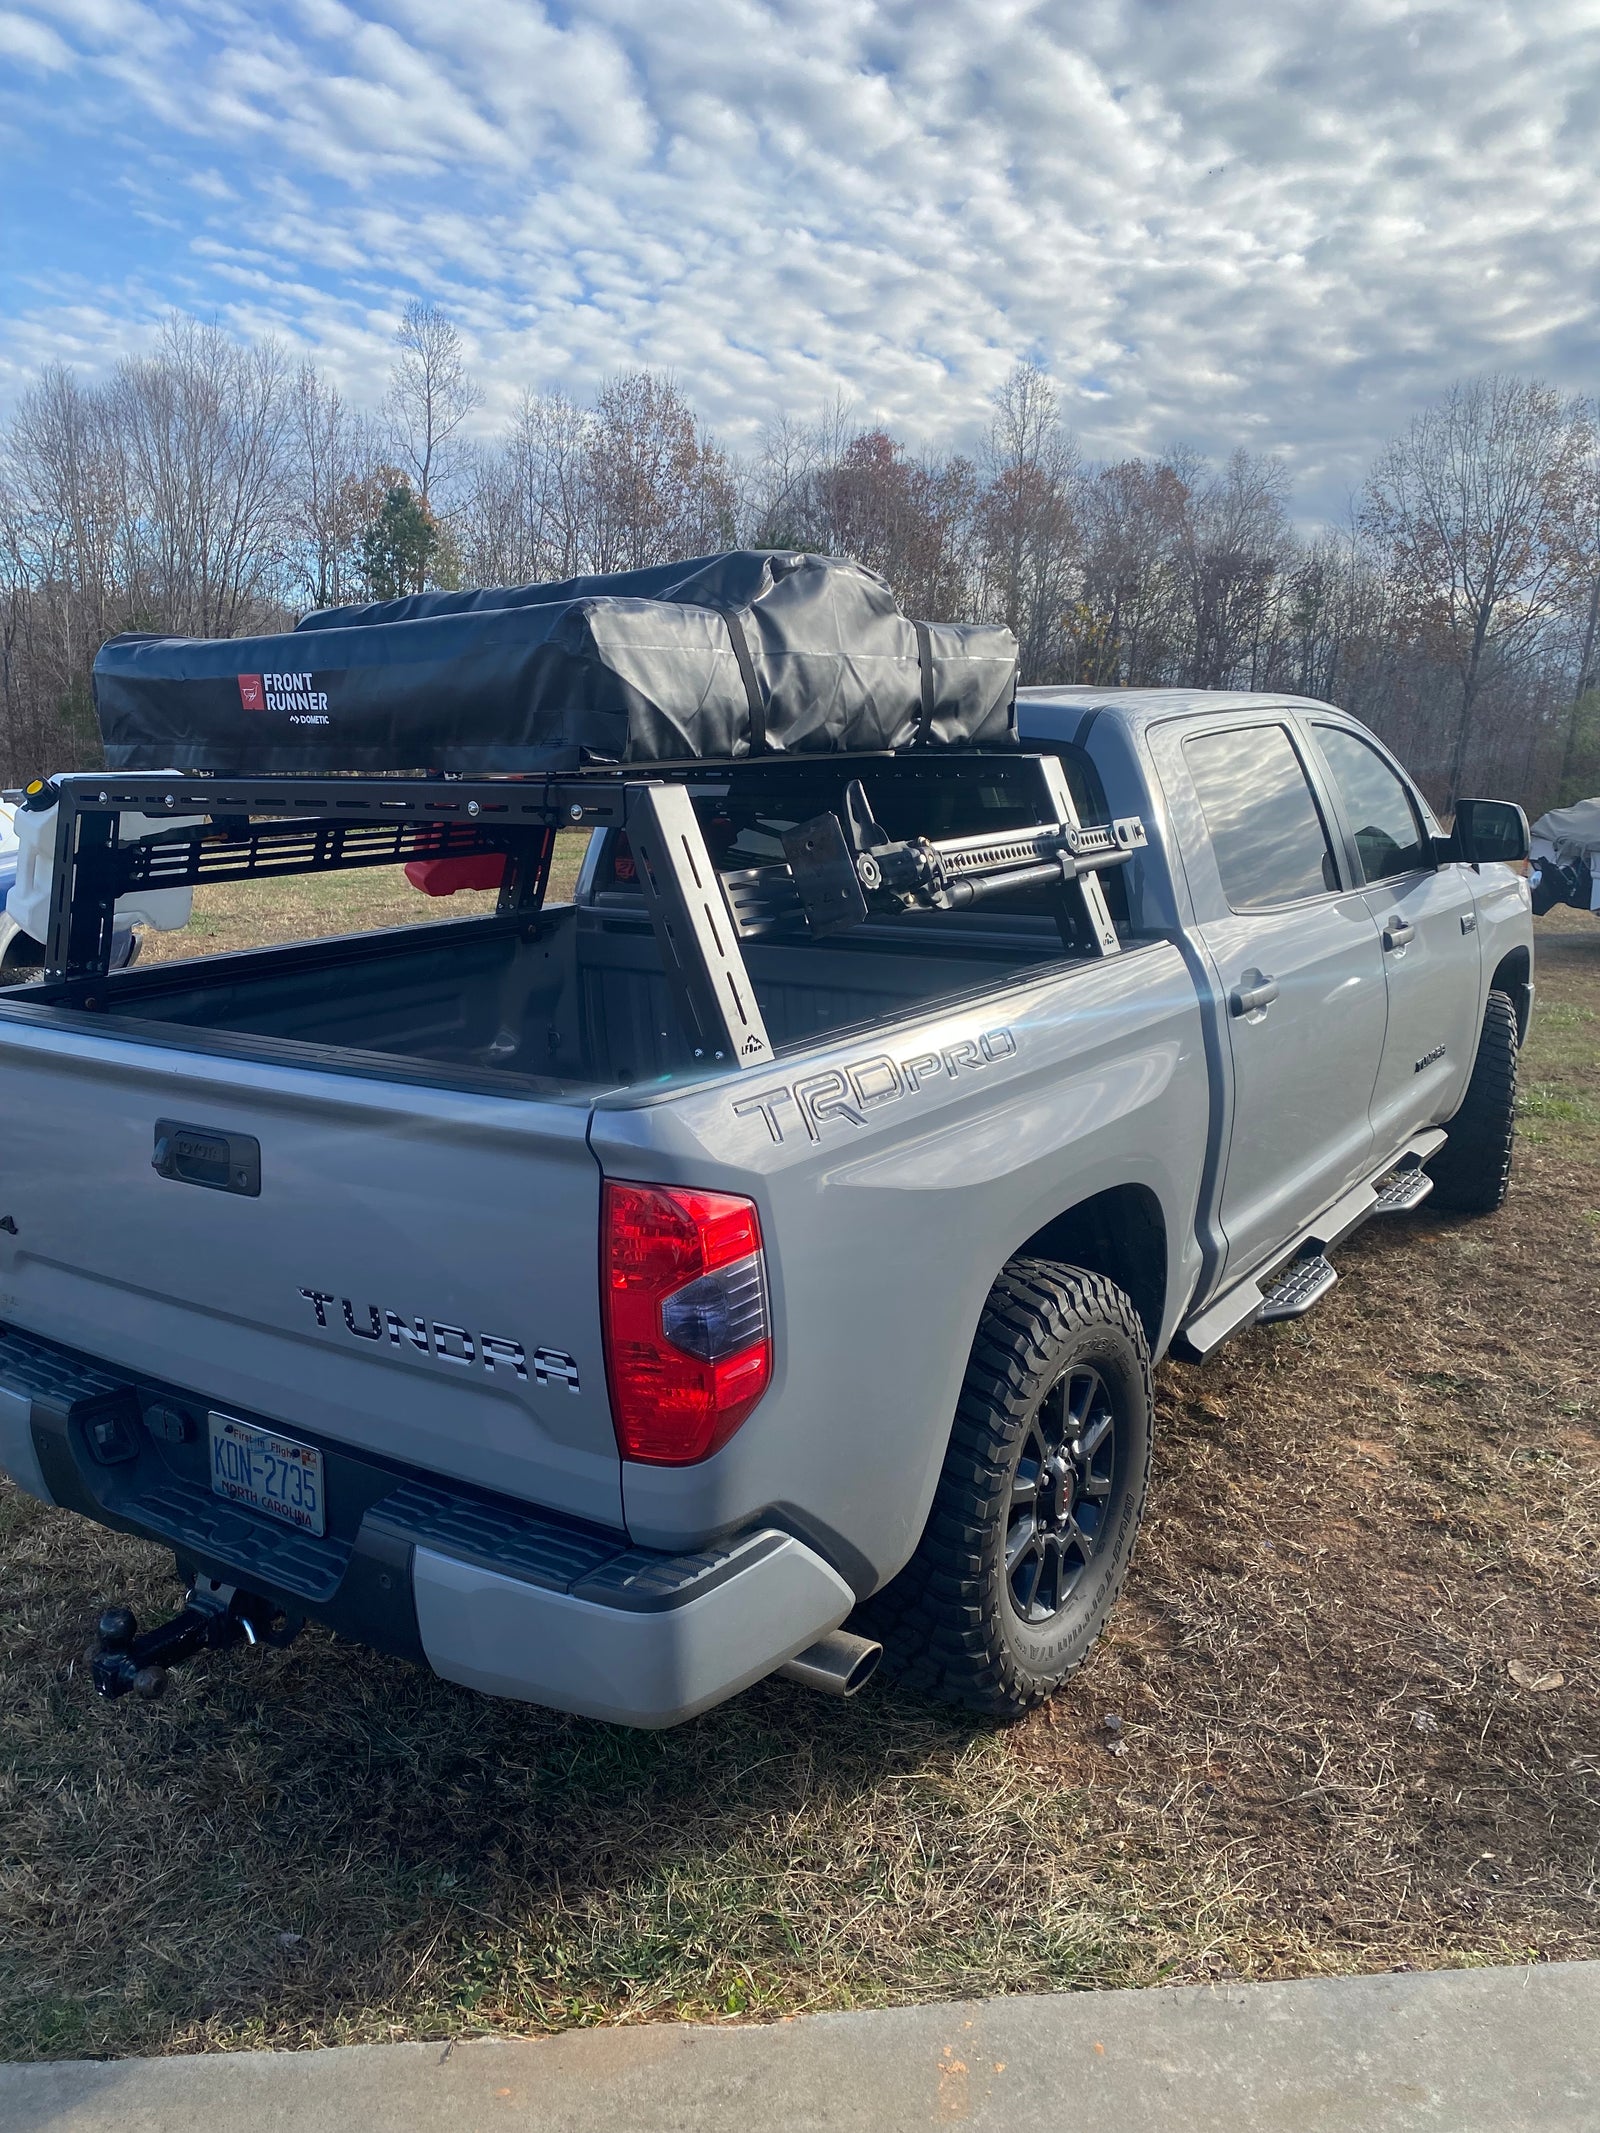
(688,1332)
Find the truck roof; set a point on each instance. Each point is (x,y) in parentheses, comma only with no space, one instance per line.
(1143,707)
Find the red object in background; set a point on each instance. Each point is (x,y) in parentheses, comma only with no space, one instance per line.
(688,1331)
(469,870)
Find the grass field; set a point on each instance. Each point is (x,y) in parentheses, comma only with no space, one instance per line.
(301,907)
(1357,1672)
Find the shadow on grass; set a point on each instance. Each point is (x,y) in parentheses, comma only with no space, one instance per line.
(322,1844)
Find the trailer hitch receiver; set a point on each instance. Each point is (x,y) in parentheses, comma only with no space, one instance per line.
(127,1660)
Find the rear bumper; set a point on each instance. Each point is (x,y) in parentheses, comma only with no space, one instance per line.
(489,1593)
(709,1636)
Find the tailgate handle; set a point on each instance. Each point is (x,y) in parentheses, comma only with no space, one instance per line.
(200,1155)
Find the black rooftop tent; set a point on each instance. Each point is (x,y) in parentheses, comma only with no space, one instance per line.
(747,653)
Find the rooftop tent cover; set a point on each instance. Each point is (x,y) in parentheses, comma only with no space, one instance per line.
(710,659)
(1572,833)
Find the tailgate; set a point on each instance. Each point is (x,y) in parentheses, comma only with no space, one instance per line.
(416,1271)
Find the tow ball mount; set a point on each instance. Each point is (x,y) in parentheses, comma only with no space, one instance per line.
(213,1617)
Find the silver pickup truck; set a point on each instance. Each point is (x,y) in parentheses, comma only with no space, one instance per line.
(604,1303)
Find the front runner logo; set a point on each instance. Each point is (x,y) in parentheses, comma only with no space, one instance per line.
(297,694)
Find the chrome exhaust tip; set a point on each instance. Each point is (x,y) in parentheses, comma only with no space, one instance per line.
(836,1665)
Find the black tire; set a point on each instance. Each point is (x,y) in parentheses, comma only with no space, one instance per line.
(1472,1170)
(953,1623)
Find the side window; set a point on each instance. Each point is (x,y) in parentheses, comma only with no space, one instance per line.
(1388,834)
(1266,828)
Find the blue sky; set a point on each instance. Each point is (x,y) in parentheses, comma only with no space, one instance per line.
(1220,221)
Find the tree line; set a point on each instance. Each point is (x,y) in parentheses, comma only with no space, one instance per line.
(210,488)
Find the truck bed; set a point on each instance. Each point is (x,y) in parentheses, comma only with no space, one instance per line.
(574,1005)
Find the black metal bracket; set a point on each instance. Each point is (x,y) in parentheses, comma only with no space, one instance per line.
(257,828)
(695,928)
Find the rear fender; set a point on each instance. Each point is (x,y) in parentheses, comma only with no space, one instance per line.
(894,1177)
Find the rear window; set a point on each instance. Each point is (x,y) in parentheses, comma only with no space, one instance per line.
(1266,829)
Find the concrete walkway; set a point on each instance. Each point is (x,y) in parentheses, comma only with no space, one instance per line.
(1504,2051)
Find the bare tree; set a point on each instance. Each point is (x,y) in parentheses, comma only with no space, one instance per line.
(203,427)
(1472,509)
(1317,615)
(335,459)
(1128,624)
(430,394)
(550,453)
(1584,541)
(65,570)
(526,511)
(784,504)
(1235,549)
(64,525)
(658,488)
(1029,535)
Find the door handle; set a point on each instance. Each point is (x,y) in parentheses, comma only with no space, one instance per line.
(1396,931)
(1253,998)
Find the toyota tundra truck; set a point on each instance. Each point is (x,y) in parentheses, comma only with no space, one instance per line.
(759,1259)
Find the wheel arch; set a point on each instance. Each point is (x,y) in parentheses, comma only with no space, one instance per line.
(1121,1233)
(1513,974)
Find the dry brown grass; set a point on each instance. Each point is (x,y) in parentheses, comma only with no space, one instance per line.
(1326,1764)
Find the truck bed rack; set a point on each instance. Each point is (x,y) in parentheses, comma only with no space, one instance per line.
(839,867)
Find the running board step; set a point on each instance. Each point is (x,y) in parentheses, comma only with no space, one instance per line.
(1405,1190)
(1401,1184)
(1305,1284)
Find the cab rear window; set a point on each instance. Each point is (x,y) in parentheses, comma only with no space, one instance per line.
(1271,844)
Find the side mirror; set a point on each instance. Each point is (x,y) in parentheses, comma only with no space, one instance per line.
(1489,832)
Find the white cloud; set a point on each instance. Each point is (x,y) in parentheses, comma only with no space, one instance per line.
(211,184)
(34,43)
(1231,224)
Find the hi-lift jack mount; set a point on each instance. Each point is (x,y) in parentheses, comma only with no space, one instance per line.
(214,1616)
(846,866)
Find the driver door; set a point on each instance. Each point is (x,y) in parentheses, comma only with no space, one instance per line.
(1427,919)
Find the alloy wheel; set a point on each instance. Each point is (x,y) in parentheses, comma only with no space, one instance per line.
(1060,1490)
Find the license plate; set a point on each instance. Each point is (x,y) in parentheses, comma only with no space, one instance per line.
(271,1474)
